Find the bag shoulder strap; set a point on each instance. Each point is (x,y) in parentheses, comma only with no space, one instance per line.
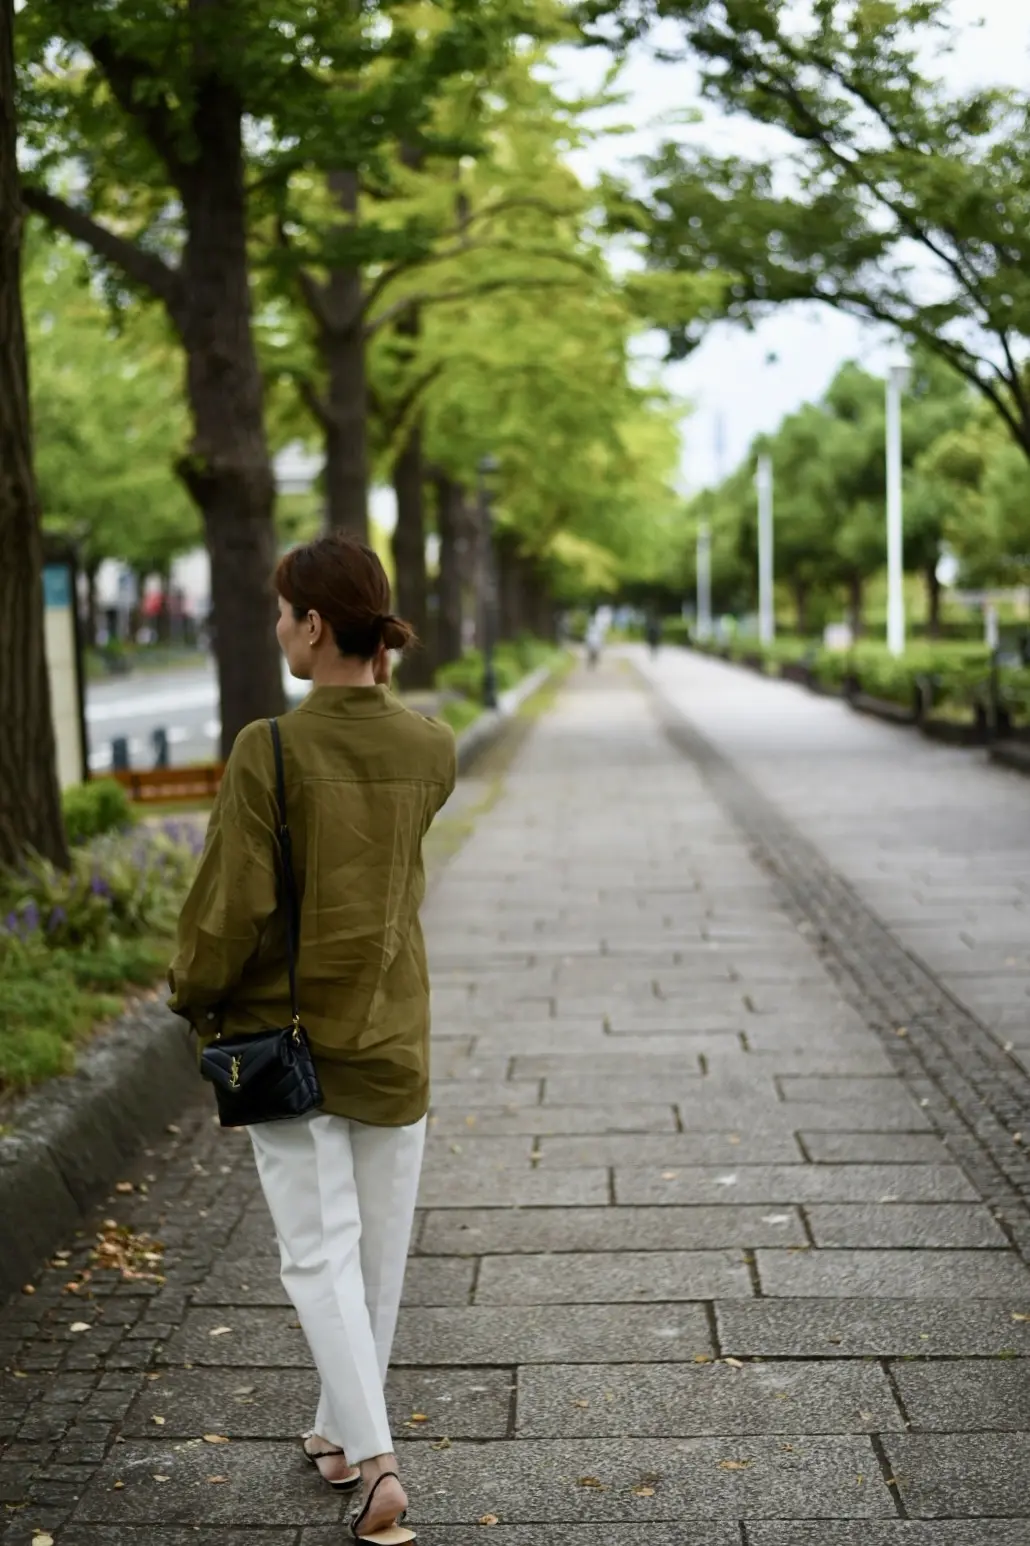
(288,893)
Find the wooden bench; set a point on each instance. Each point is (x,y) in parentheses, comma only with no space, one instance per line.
(151,786)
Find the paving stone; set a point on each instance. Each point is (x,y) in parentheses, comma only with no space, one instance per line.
(604,1278)
(875,1148)
(795,1184)
(949,1475)
(871,1328)
(684,1401)
(154,1535)
(257,1282)
(958,1397)
(266,1484)
(940,1225)
(814,1477)
(478,1232)
(669,1534)
(917,1274)
(588,1089)
(485,1334)
(459,1186)
(471,1094)
(201,1339)
(896,1532)
(740,1148)
(480,1152)
(631,1118)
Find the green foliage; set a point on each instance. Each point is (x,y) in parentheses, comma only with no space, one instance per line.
(95,808)
(117,886)
(894,177)
(512,661)
(51,998)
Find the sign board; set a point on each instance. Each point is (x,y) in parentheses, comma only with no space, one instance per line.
(64,666)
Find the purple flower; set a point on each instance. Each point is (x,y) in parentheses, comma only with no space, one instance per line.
(30,917)
(12,924)
(57,918)
(98,885)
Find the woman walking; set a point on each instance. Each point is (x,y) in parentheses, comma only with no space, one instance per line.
(364,776)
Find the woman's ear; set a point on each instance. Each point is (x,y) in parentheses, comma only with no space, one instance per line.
(316,628)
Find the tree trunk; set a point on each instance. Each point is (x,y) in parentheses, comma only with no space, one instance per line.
(509,589)
(342,341)
(449,524)
(856,600)
(90,572)
(30,802)
(227,469)
(933,597)
(409,553)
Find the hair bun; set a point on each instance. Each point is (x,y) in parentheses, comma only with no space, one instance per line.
(396,633)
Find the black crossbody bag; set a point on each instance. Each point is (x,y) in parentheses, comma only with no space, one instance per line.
(268,1076)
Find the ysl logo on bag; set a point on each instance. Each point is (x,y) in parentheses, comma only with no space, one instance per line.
(234,1073)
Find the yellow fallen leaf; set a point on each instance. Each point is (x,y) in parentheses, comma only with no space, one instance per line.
(702,1358)
(489,1519)
(643,1492)
(124,1187)
(734,1465)
(159,1420)
(19,1374)
(214,1479)
(441,1444)
(118,1487)
(583,1404)
(669,1175)
(79,1326)
(162,1478)
(220,1331)
(30,1288)
(589,1481)
(734,1363)
(42,1539)
(1017,1317)
(215,1438)
(418,1417)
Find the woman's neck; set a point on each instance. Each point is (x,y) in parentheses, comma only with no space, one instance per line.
(343,671)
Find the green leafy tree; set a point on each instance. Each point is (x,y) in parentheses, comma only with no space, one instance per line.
(905,203)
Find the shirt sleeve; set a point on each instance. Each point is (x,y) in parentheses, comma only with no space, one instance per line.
(234,892)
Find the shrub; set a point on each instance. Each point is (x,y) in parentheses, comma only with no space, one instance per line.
(94,808)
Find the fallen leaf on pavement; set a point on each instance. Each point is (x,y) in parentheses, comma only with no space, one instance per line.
(418,1417)
(162,1478)
(220,1331)
(589,1481)
(669,1175)
(214,1479)
(734,1465)
(643,1492)
(776,1218)
(583,1404)
(30,1288)
(725,1180)
(79,1326)
(124,1187)
(215,1438)
(489,1519)
(42,1539)
(702,1358)
(118,1487)
(734,1363)
(159,1420)
(1017,1317)
(441,1444)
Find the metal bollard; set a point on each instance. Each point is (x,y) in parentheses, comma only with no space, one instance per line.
(159,738)
(120,754)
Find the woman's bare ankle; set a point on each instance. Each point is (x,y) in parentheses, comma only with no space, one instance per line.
(390,1499)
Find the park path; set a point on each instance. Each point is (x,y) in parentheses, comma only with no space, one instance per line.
(708,1253)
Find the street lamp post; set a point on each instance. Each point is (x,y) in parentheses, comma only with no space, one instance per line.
(704,581)
(897,380)
(766,607)
(487,468)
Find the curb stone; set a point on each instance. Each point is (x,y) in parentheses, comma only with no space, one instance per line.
(64,1143)
(71,1135)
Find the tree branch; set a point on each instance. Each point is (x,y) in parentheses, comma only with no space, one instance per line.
(143,268)
(466,292)
(125,73)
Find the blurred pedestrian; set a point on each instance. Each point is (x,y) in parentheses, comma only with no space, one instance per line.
(363,778)
(594,640)
(653,633)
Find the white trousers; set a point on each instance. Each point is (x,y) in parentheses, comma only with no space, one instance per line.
(342,1198)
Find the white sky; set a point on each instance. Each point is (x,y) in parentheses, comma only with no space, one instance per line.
(728,378)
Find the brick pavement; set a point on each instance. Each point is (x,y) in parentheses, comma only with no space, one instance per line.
(695,1265)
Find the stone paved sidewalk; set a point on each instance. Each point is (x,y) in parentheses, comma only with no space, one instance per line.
(694,1265)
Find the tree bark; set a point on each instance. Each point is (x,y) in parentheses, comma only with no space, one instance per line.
(30,802)
(339,310)
(409,553)
(449,526)
(227,470)
(933,597)
(90,572)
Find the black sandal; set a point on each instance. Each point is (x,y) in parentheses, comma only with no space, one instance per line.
(391,1535)
(313,1456)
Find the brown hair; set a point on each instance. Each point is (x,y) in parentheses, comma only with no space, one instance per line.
(343,581)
